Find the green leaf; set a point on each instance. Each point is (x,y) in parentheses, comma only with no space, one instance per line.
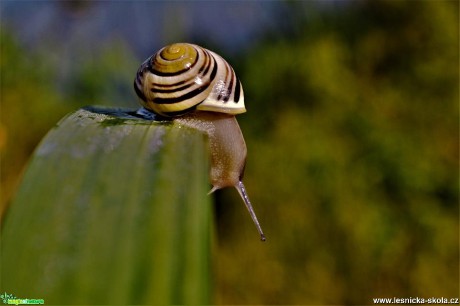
(112,210)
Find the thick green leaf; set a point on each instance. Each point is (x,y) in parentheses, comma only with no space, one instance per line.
(112,210)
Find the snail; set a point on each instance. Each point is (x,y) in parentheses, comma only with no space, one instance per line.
(199,89)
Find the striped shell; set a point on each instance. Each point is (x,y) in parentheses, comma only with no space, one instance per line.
(183,77)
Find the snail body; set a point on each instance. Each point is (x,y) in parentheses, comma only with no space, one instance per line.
(199,89)
(227,146)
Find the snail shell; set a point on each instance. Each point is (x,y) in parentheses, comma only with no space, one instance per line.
(199,89)
(184,77)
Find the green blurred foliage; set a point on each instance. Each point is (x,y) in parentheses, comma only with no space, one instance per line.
(353,151)
(105,78)
(352,132)
(30,105)
(37,91)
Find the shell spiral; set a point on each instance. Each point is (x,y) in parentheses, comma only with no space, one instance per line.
(183,77)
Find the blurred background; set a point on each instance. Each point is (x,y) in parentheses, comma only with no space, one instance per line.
(352,131)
